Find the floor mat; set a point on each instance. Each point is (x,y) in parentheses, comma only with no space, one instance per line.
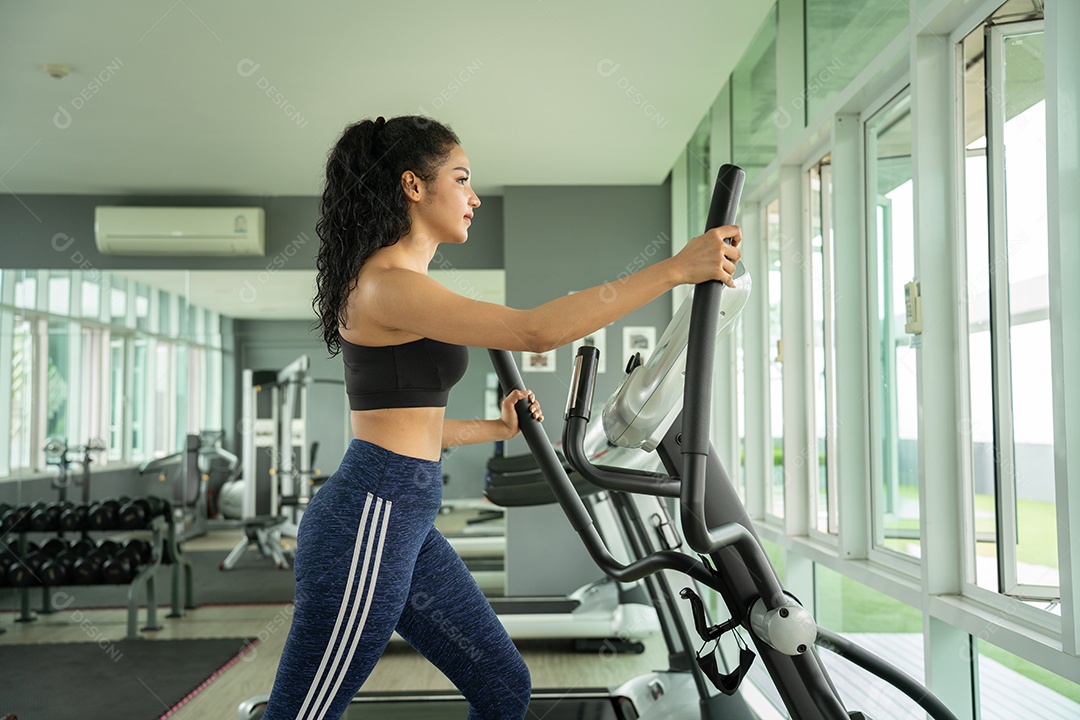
(130,679)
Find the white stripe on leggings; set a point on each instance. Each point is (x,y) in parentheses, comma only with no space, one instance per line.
(318,679)
(367,605)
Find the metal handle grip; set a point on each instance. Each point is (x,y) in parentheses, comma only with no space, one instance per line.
(579,401)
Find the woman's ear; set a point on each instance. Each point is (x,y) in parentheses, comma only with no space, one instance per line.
(411,185)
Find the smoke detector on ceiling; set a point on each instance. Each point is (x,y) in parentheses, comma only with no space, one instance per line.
(57,70)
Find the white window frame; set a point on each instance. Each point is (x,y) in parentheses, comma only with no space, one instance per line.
(876,552)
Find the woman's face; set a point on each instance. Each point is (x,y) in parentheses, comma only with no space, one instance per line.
(447,205)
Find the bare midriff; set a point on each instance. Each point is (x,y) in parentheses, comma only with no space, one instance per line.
(414,432)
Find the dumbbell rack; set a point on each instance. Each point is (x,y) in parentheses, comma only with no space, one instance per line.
(164,545)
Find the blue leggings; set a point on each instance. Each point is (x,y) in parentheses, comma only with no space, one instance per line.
(369,561)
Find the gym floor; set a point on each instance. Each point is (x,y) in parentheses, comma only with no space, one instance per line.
(552,663)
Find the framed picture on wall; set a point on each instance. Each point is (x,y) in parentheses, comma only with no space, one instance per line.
(638,339)
(538,362)
(597,340)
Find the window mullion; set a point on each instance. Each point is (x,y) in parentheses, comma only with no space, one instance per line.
(39,370)
(7,330)
(1063,151)
(1000,331)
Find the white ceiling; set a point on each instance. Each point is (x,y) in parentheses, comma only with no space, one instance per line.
(197,97)
(245,98)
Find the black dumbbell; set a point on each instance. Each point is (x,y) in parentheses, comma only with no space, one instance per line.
(66,559)
(49,572)
(87,569)
(134,515)
(73,519)
(54,546)
(46,518)
(119,568)
(159,506)
(111,547)
(103,515)
(140,550)
(16,519)
(35,559)
(82,548)
(16,573)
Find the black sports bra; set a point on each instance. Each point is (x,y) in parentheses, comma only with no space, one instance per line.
(416,374)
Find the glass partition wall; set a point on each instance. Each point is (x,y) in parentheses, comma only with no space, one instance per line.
(96,355)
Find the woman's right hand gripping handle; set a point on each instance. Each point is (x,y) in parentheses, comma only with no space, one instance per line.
(711,256)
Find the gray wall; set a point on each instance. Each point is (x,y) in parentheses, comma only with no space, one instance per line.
(563,239)
(30,224)
(557,240)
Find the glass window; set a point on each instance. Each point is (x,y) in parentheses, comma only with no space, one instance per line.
(740,410)
(165,324)
(94,388)
(1011,687)
(1010,433)
(214,388)
(91,297)
(181,329)
(142,308)
(196,401)
(118,300)
(774,491)
(753,102)
(823,494)
(22,391)
(58,382)
(213,324)
(165,399)
(842,38)
(884,626)
(117,405)
(699,177)
(26,289)
(894,367)
(140,391)
(59,292)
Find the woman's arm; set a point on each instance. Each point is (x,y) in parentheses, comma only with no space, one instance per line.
(472,432)
(401,299)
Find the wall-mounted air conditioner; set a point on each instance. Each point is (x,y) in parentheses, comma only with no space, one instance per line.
(180,231)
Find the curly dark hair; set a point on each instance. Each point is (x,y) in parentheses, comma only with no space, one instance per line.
(364,207)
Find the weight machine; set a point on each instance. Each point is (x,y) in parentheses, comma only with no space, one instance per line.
(278,454)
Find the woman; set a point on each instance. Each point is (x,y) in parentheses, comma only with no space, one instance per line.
(369,560)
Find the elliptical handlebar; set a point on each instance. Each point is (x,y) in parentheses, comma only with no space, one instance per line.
(563,489)
(578,410)
(697,386)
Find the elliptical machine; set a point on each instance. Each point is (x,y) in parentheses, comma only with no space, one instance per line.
(653,409)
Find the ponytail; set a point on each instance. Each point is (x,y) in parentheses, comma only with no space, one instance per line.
(364,208)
